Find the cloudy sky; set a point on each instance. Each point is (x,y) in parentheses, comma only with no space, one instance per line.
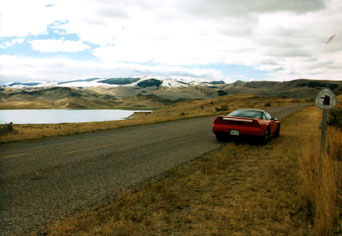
(211,39)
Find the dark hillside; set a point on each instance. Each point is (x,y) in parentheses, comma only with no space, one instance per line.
(301,88)
(150,83)
(119,81)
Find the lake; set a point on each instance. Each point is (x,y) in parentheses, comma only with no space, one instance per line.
(56,116)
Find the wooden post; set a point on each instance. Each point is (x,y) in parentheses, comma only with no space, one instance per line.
(324,129)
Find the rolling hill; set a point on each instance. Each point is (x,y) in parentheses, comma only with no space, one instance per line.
(301,88)
(146,92)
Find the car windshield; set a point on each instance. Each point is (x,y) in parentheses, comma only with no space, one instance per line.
(247,114)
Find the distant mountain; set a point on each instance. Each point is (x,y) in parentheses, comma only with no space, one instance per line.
(146,92)
(119,81)
(29,84)
(301,88)
(145,81)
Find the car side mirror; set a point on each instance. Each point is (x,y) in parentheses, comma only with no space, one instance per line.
(275,119)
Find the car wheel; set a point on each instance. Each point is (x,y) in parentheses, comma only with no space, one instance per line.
(221,137)
(277,132)
(266,136)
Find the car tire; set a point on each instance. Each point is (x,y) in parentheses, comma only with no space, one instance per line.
(277,133)
(266,137)
(221,137)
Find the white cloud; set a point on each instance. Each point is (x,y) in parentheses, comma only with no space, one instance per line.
(286,38)
(21,18)
(51,45)
(7,44)
(17,68)
(238,8)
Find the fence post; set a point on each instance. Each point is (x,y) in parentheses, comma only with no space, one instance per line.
(324,129)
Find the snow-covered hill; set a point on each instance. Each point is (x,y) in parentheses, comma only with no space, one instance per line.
(145,81)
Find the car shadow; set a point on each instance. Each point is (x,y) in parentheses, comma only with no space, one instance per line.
(245,140)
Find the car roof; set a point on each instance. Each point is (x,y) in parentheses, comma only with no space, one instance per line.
(250,109)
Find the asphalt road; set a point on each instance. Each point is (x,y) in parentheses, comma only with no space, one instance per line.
(45,180)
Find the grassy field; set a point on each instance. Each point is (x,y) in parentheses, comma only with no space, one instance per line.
(182,110)
(284,188)
(322,180)
(242,189)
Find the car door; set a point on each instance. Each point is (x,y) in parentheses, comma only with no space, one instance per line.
(272,123)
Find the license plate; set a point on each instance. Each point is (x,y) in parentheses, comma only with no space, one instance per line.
(234,132)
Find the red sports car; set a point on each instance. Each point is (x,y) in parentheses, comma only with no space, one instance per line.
(246,122)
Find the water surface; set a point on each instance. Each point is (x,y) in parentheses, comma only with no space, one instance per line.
(56,116)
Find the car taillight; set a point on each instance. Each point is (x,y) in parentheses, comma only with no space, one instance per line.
(220,120)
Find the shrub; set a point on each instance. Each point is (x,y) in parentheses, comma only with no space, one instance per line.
(222,108)
(7,128)
(335,118)
(268,104)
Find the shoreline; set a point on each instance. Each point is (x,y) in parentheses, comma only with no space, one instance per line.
(182,110)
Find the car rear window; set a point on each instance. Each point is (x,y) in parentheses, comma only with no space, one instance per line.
(247,114)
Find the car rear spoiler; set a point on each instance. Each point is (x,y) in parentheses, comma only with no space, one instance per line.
(237,119)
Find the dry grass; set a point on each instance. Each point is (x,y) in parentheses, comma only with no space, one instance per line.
(242,189)
(322,178)
(182,110)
